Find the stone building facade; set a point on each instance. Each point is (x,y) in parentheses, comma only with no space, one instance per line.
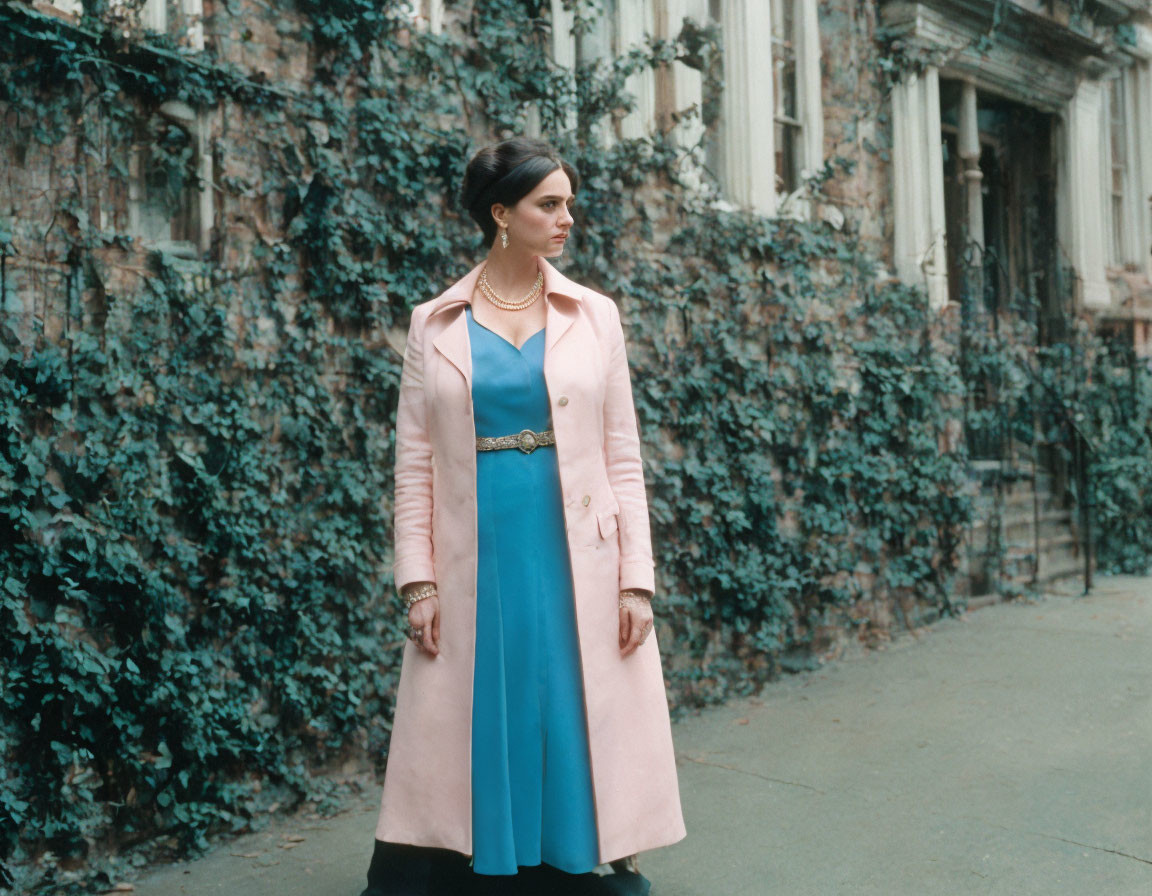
(996,147)
(1021,129)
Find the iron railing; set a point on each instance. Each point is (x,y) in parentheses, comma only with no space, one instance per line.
(1014,351)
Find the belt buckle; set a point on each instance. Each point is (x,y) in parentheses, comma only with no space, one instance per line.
(527,441)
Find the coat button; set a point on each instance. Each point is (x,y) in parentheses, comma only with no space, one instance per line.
(563,400)
(587,500)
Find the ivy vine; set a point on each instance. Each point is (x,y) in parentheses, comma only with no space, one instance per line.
(194,542)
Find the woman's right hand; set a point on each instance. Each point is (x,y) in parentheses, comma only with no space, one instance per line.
(425,614)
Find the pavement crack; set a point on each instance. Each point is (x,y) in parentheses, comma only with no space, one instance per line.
(1115,852)
(742,771)
(1004,827)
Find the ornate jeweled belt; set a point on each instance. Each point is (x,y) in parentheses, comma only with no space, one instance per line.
(526,440)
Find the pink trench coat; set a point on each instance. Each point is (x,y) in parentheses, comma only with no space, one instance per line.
(427,796)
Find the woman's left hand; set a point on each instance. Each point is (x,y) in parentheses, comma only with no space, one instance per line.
(636,623)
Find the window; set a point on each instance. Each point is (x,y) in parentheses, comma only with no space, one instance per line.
(170,199)
(769,111)
(785,103)
(771,105)
(1126,165)
(182,19)
(70,7)
(427,15)
(617,28)
(1118,168)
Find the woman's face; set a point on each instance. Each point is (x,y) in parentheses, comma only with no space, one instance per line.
(539,223)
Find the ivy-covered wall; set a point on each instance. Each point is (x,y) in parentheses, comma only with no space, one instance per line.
(196,613)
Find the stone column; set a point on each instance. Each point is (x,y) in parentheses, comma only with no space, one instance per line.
(194,22)
(634,25)
(918,185)
(1084,191)
(436,16)
(969,148)
(563,41)
(564,55)
(154,15)
(936,267)
(747,133)
(595,46)
(683,90)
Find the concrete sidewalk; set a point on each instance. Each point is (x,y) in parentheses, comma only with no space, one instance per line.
(1007,752)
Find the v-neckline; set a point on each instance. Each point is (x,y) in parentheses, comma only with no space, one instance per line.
(508,342)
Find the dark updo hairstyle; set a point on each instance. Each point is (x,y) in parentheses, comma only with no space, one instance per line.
(505,173)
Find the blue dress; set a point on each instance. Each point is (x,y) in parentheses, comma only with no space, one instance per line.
(532,799)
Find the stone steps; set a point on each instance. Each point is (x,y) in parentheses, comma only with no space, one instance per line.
(1037,528)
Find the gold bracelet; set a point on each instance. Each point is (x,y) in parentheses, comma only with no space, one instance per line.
(632,595)
(417,594)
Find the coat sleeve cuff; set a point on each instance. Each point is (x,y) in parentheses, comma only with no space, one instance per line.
(637,574)
(406,571)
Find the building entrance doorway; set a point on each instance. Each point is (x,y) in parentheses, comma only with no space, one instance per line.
(1004,261)
(1008,277)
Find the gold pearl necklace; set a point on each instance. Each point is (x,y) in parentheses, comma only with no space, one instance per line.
(490,294)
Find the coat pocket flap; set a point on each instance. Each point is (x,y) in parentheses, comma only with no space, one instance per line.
(607,522)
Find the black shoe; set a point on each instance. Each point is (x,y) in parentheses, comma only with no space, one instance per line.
(625,883)
(402,869)
(398,869)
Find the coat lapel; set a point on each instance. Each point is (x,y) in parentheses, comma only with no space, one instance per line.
(559,318)
(561,314)
(452,342)
(561,294)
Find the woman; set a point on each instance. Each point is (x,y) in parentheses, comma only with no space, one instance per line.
(531,729)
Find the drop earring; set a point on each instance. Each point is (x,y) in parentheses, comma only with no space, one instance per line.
(504,237)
